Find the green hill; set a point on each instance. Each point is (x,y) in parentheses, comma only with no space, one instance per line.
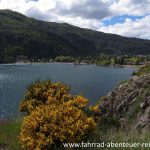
(24,37)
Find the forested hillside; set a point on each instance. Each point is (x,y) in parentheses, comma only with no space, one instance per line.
(26,38)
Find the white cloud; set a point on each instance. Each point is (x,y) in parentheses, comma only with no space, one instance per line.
(138,28)
(80,22)
(83,13)
(131,7)
(87,9)
(86,13)
(16,5)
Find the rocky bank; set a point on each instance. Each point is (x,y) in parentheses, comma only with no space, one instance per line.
(129,103)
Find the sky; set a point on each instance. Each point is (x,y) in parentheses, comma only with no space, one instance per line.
(130,18)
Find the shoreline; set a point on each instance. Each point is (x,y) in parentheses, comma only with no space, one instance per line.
(71,63)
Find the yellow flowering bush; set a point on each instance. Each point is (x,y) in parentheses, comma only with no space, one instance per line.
(95,108)
(59,119)
(98,109)
(38,94)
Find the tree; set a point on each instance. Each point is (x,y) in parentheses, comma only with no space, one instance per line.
(122,61)
(115,60)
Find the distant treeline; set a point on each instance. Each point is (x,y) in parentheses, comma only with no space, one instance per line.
(119,60)
(105,60)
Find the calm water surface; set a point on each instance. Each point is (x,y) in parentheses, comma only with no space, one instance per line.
(90,80)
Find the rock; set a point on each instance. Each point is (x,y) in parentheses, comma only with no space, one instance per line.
(123,123)
(131,99)
(143,120)
(142,105)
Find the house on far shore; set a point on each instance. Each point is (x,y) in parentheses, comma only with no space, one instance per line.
(130,63)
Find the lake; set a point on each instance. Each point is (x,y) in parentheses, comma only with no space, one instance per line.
(89,80)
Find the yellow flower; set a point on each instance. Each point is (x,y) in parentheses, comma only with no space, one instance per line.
(54,116)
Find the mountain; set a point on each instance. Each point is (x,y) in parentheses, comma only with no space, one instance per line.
(21,36)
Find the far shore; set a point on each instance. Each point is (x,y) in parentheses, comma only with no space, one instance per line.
(71,63)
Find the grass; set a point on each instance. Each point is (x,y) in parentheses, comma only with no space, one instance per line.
(9,131)
(9,137)
(135,110)
(128,137)
(143,70)
(119,136)
(123,82)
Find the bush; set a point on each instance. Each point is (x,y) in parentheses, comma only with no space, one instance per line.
(97,109)
(38,93)
(59,119)
(65,59)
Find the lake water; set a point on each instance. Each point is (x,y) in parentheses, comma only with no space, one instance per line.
(90,80)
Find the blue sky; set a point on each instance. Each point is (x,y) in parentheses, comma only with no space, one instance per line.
(124,17)
(121,19)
